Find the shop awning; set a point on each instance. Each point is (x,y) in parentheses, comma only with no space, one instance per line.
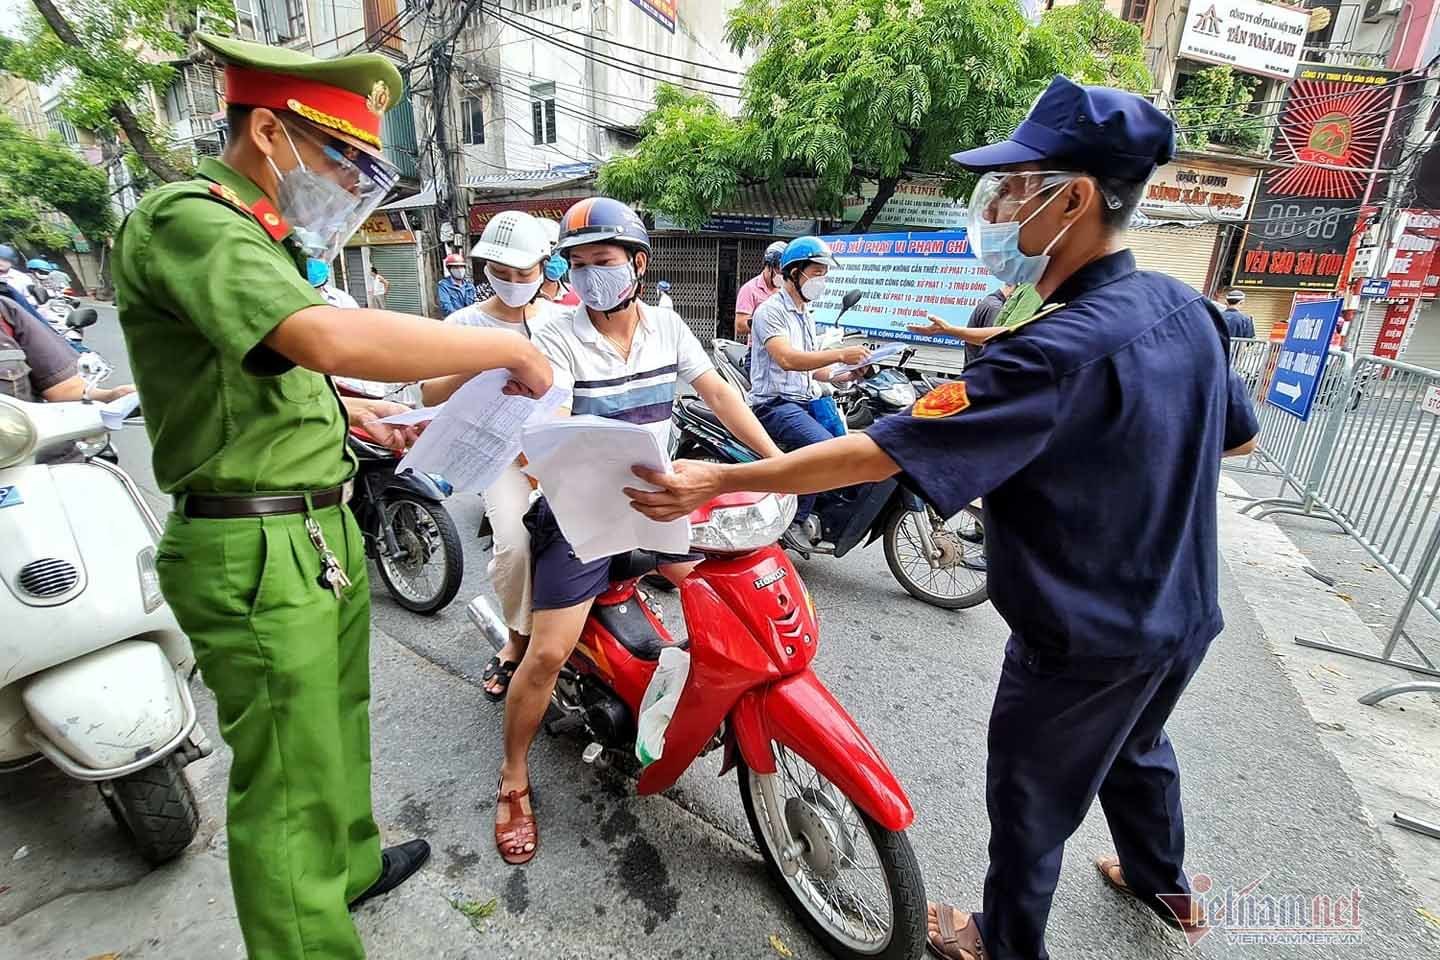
(793,199)
(533,181)
(425,198)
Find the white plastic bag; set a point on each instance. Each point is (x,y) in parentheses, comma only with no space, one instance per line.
(658,704)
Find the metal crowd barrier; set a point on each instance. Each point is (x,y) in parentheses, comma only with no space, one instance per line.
(1367,460)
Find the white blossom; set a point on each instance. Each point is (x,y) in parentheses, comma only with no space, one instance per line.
(917,9)
(778,104)
(892,10)
(798,47)
(862,22)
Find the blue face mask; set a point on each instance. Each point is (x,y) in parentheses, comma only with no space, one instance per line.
(998,247)
(555,267)
(317,272)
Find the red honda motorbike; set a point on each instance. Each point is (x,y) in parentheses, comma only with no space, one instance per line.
(828,815)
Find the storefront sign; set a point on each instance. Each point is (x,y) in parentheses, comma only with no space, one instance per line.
(1329,137)
(663,12)
(383,228)
(726,223)
(546,208)
(1413,272)
(1254,37)
(904,277)
(1375,289)
(1393,328)
(913,205)
(1193,192)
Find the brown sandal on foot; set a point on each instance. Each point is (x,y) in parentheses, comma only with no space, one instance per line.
(962,943)
(519,829)
(1174,903)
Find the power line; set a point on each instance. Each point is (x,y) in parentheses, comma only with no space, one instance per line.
(626,46)
(605,60)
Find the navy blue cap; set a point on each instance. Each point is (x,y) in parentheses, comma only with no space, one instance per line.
(1099,130)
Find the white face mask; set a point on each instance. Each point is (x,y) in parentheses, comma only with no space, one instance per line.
(603,288)
(813,289)
(512,294)
(458,273)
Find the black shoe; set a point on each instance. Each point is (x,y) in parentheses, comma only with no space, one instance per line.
(396,865)
(656,581)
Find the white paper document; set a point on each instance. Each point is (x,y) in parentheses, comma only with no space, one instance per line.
(583,465)
(880,353)
(477,432)
(412,417)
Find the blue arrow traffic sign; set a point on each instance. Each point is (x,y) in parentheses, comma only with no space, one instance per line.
(1302,356)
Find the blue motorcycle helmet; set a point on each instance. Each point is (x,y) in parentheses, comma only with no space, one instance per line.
(317,272)
(804,250)
(8,253)
(39,265)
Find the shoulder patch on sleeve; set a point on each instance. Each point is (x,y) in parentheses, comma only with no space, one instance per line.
(263,210)
(943,401)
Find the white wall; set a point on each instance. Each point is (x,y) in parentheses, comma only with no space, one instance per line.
(507,62)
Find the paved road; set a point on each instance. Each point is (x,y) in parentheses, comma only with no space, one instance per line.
(677,876)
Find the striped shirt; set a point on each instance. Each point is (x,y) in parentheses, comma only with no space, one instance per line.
(638,389)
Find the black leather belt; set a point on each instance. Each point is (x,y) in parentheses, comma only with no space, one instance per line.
(204,506)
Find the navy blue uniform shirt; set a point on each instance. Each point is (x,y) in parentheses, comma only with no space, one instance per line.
(1239,323)
(1095,435)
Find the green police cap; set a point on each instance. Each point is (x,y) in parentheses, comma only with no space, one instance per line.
(346,94)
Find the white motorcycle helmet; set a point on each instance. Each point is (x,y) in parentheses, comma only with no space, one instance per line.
(513,238)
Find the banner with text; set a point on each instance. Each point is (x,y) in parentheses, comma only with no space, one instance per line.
(913,205)
(1255,37)
(904,277)
(1326,146)
(1195,191)
(663,12)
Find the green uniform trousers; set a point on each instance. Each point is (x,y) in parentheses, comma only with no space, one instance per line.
(289,665)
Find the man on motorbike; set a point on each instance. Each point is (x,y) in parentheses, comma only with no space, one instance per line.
(18,280)
(456,290)
(758,289)
(1094,429)
(36,363)
(513,250)
(626,360)
(786,368)
(261,561)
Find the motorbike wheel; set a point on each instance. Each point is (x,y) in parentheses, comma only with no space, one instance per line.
(855,885)
(426,576)
(156,806)
(961,581)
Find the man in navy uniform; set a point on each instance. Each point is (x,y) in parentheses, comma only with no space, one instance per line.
(1094,429)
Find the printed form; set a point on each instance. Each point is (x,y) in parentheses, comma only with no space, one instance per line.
(583,465)
(476,433)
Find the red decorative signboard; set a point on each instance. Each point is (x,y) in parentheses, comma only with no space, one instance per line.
(1326,147)
(548,208)
(1392,329)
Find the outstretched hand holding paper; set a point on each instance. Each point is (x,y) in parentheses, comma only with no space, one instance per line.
(583,465)
(477,431)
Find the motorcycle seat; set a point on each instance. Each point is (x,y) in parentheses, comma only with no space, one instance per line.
(701,411)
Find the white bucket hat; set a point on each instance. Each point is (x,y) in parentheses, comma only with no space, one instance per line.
(513,238)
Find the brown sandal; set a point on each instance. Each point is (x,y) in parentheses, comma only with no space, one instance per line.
(1175,903)
(963,943)
(518,831)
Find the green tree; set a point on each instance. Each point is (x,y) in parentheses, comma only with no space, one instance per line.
(852,90)
(1215,105)
(111,55)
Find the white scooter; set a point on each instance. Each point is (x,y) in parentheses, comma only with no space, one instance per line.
(93,666)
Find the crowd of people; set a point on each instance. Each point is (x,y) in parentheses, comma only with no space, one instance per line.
(1112,601)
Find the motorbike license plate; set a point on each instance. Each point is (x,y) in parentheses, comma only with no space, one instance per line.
(10,497)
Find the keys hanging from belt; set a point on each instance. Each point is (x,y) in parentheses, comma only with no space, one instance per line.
(332,575)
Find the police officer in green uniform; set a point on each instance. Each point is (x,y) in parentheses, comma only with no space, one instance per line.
(261,560)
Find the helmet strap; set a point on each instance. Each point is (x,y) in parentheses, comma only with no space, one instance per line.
(634,294)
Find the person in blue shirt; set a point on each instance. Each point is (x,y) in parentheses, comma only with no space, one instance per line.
(1238,322)
(456,290)
(1094,429)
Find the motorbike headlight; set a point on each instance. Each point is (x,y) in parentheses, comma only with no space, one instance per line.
(17,433)
(739,522)
(149,580)
(898,394)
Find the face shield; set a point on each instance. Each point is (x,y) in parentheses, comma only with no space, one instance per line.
(997,202)
(326,199)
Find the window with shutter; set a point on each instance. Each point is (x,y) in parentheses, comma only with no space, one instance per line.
(542,112)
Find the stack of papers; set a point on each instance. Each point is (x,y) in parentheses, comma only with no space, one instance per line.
(583,464)
(476,433)
(880,353)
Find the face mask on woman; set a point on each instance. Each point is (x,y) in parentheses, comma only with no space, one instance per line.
(512,294)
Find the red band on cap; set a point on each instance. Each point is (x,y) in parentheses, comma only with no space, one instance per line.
(321,103)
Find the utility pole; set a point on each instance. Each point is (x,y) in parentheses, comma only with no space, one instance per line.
(449,200)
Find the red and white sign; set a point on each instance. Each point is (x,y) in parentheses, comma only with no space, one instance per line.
(1413,271)
(1392,329)
(547,208)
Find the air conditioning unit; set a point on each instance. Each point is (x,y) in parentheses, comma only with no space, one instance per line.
(1376,10)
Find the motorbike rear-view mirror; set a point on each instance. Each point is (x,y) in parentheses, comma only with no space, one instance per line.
(82,318)
(850,299)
